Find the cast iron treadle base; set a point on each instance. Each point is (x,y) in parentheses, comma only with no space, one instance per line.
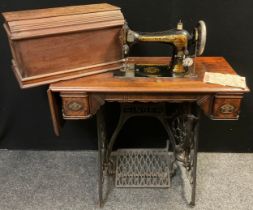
(143,168)
(150,167)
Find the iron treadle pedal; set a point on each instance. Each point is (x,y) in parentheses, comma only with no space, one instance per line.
(143,167)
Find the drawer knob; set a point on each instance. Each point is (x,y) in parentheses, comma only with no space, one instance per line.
(227,109)
(75,106)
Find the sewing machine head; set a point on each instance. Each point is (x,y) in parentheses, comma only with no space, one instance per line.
(185,45)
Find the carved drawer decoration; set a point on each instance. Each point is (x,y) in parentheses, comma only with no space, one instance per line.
(75,106)
(226,107)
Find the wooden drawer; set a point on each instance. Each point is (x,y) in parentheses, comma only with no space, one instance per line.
(75,106)
(226,107)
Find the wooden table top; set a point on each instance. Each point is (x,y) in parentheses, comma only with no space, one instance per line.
(106,82)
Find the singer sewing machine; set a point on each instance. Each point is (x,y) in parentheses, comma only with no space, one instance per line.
(168,89)
(49,46)
(186,46)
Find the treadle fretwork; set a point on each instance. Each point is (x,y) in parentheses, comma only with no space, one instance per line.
(181,126)
(142,168)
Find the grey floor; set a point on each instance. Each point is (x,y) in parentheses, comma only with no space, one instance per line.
(67,180)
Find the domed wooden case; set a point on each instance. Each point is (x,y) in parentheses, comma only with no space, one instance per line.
(55,44)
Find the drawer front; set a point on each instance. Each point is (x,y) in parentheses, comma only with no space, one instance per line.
(75,106)
(226,107)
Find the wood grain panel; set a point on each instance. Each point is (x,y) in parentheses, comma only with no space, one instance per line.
(48,44)
(58,11)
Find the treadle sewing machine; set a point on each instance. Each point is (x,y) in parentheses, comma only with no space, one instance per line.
(185,46)
(82,53)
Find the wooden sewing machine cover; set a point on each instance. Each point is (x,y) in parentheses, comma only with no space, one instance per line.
(61,43)
(81,98)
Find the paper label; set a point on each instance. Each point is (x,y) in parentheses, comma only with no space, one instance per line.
(225,79)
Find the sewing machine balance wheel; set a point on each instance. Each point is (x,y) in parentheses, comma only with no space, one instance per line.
(201,37)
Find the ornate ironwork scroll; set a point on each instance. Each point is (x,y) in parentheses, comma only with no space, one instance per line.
(185,130)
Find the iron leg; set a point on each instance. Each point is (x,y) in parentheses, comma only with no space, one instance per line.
(195,157)
(121,122)
(185,127)
(101,135)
